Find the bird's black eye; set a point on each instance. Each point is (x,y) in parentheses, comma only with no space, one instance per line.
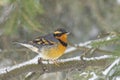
(58,34)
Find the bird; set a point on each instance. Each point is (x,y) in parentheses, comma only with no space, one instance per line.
(50,46)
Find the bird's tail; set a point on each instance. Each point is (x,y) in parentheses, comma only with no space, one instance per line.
(29,46)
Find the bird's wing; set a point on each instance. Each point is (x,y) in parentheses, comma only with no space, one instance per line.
(40,42)
(44,40)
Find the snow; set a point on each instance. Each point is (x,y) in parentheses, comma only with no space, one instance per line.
(108,38)
(117,78)
(116,62)
(98,58)
(34,60)
(94,76)
(3,70)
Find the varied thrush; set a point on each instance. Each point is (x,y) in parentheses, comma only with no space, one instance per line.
(50,46)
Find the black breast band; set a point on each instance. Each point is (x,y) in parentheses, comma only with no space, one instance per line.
(63,43)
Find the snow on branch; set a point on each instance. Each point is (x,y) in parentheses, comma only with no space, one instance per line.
(44,67)
(93,43)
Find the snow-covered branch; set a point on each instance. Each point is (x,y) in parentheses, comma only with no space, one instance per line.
(89,44)
(44,67)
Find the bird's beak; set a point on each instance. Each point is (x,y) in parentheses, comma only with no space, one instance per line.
(68,33)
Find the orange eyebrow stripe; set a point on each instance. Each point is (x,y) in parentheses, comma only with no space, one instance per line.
(56,32)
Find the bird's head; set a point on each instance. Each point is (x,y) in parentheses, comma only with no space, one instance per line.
(61,34)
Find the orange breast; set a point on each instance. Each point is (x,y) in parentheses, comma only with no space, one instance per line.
(53,52)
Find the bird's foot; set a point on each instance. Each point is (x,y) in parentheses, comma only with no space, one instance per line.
(55,62)
(44,68)
(41,59)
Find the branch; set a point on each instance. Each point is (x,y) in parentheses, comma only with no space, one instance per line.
(44,67)
(94,44)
